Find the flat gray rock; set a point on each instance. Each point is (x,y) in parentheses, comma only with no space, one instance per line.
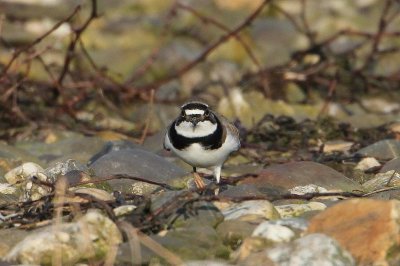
(384,149)
(111,146)
(136,163)
(294,174)
(393,164)
(73,146)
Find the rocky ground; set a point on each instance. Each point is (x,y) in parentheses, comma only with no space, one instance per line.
(84,178)
(75,198)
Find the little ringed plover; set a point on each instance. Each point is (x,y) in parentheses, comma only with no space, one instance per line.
(202,138)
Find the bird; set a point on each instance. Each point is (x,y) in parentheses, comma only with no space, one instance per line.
(202,138)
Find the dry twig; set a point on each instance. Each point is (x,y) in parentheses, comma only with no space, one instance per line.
(18,52)
(200,58)
(77,34)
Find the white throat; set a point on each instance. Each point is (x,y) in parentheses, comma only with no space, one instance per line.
(202,129)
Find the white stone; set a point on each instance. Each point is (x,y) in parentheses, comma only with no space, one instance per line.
(311,250)
(311,188)
(337,145)
(23,172)
(274,232)
(367,163)
(7,189)
(123,210)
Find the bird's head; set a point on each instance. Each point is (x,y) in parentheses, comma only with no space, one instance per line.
(196,116)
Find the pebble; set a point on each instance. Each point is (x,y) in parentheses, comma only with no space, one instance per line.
(301,190)
(21,177)
(337,146)
(24,172)
(367,163)
(124,210)
(249,210)
(273,232)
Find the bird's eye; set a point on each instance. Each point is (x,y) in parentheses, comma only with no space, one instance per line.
(206,113)
(183,114)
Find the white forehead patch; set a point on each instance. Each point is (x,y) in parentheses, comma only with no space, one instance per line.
(194,112)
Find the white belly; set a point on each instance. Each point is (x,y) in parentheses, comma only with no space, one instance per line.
(197,156)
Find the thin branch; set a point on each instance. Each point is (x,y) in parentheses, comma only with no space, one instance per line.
(156,51)
(18,52)
(149,117)
(382,25)
(331,90)
(100,72)
(306,26)
(200,58)
(221,26)
(77,34)
(246,47)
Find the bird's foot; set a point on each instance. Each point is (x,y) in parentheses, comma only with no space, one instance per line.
(199,181)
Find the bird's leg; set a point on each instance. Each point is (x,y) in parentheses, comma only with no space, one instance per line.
(198,180)
(217,173)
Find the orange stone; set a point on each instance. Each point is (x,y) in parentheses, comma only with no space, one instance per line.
(367,228)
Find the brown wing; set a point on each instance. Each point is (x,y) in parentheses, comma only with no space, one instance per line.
(228,126)
(165,138)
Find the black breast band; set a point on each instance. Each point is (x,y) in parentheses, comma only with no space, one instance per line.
(210,142)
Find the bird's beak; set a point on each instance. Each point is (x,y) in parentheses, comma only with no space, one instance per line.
(194,121)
